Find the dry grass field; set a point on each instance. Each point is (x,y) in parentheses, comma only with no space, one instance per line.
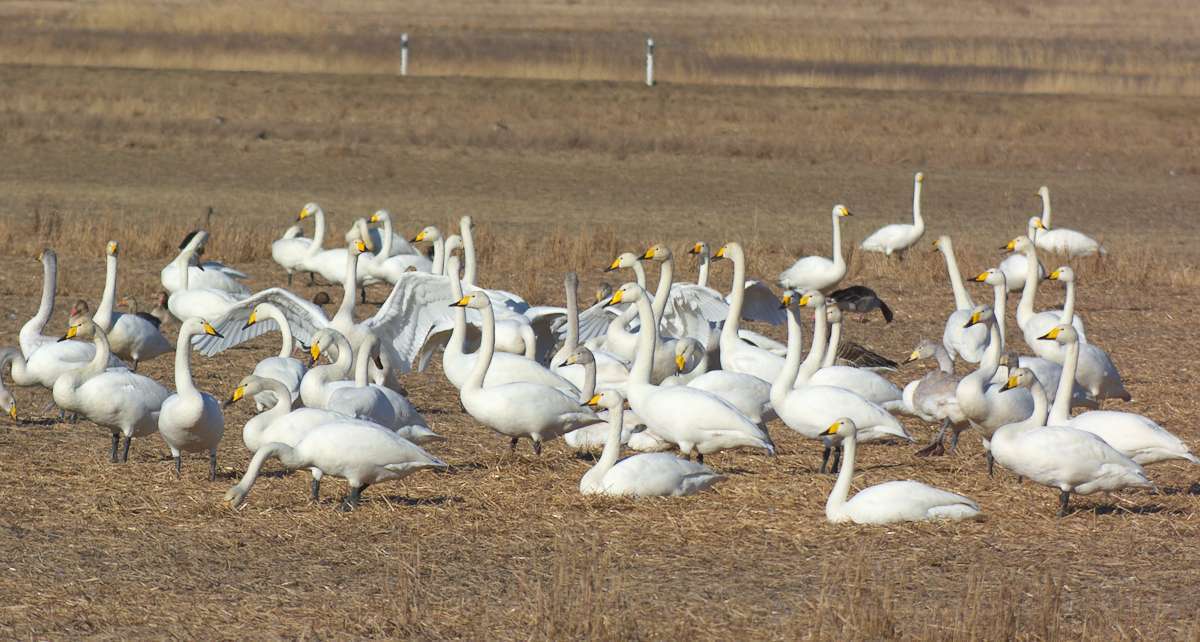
(561,173)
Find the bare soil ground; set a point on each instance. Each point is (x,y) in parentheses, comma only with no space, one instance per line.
(562,175)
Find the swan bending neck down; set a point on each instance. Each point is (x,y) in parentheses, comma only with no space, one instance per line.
(361,453)
(191,420)
(644,475)
(889,502)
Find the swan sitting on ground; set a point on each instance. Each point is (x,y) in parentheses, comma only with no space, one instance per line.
(126,403)
(818,272)
(1071,460)
(209,275)
(365,400)
(191,420)
(360,453)
(1062,240)
(898,237)
(521,409)
(1133,435)
(889,502)
(644,475)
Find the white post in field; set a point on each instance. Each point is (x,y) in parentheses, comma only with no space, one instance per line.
(649,62)
(404,54)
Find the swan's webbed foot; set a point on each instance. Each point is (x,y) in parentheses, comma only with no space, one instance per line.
(935,448)
(351,500)
(112,454)
(178,467)
(991,463)
(1064,502)
(314,494)
(125,451)
(212,465)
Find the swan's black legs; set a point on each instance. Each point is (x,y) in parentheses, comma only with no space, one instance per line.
(135,365)
(837,459)
(991,462)
(289,279)
(125,452)
(178,467)
(212,465)
(116,439)
(1064,500)
(935,448)
(954,440)
(512,444)
(825,458)
(699,457)
(351,501)
(315,494)
(537,447)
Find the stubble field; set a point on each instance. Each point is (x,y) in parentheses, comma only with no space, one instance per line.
(562,175)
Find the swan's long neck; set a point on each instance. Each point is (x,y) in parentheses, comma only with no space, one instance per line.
(439,256)
(362,360)
(1000,305)
(831,351)
(791,365)
(918,220)
(841,490)
(345,311)
(589,382)
(33,327)
(183,264)
(99,361)
(1029,292)
(639,275)
(945,363)
(572,341)
(487,347)
(643,362)
(1045,208)
(470,262)
(838,261)
(612,442)
(812,362)
(345,358)
(1060,412)
(318,243)
(666,275)
(962,300)
(287,341)
(702,278)
(385,246)
(458,336)
(104,312)
(737,295)
(970,390)
(285,453)
(1068,309)
(183,362)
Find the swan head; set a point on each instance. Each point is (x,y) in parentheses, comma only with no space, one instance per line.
(475,300)
(430,233)
(943,243)
(111,249)
(1019,244)
(699,249)
(309,209)
(686,351)
(840,212)
(788,298)
(1036,222)
(630,292)
(625,260)
(78,309)
(811,299)
(730,250)
(236,496)
(657,253)
(1044,192)
(844,427)
(80,329)
(324,340)
(1064,334)
(980,314)
(359,246)
(380,216)
(193,242)
(247,387)
(196,325)
(993,277)
(581,356)
(1019,378)
(920,177)
(466,224)
(611,399)
(924,350)
(1064,274)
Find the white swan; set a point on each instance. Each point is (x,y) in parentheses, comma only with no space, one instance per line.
(644,475)
(365,400)
(692,419)
(209,275)
(1062,240)
(1071,460)
(1034,325)
(808,409)
(934,398)
(759,302)
(393,259)
(1096,375)
(961,341)
(290,249)
(610,370)
(283,367)
(191,420)
(889,502)
(595,435)
(322,379)
(867,384)
(818,272)
(521,409)
(898,237)
(360,453)
(191,299)
(1015,265)
(736,354)
(1133,435)
(126,403)
(130,336)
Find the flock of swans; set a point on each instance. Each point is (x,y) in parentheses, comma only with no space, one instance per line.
(652,370)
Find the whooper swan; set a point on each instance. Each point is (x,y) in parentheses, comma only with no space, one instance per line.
(898,237)
(961,340)
(191,420)
(1062,240)
(818,272)
(130,336)
(889,502)
(283,367)
(187,270)
(1034,325)
(736,354)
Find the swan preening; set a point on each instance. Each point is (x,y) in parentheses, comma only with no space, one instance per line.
(671,365)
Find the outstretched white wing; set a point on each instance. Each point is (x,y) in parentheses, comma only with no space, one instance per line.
(761,304)
(304,318)
(418,303)
(593,322)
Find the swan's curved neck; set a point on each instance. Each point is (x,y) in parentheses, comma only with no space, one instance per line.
(639,274)
(345,311)
(737,295)
(838,261)
(962,300)
(589,383)
(33,327)
(643,362)
(666,275)
(812,362)
(572,342)
(285,453)
(99,361)
(1000,305)
(318,243)
(104,312)
(285,332)
(344,363)
(918,220)
(831,351)
(1029,292)
(470,264)
(385,245)
(487,347)
(612,441)
(834,506)
(458,336)
(183,264)
(1068,309)
(183,362)
(362,360)
(439,256)
(791,364)
(945,363)
(1045,208)
(970,390)
(1060,412)
(702,278)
